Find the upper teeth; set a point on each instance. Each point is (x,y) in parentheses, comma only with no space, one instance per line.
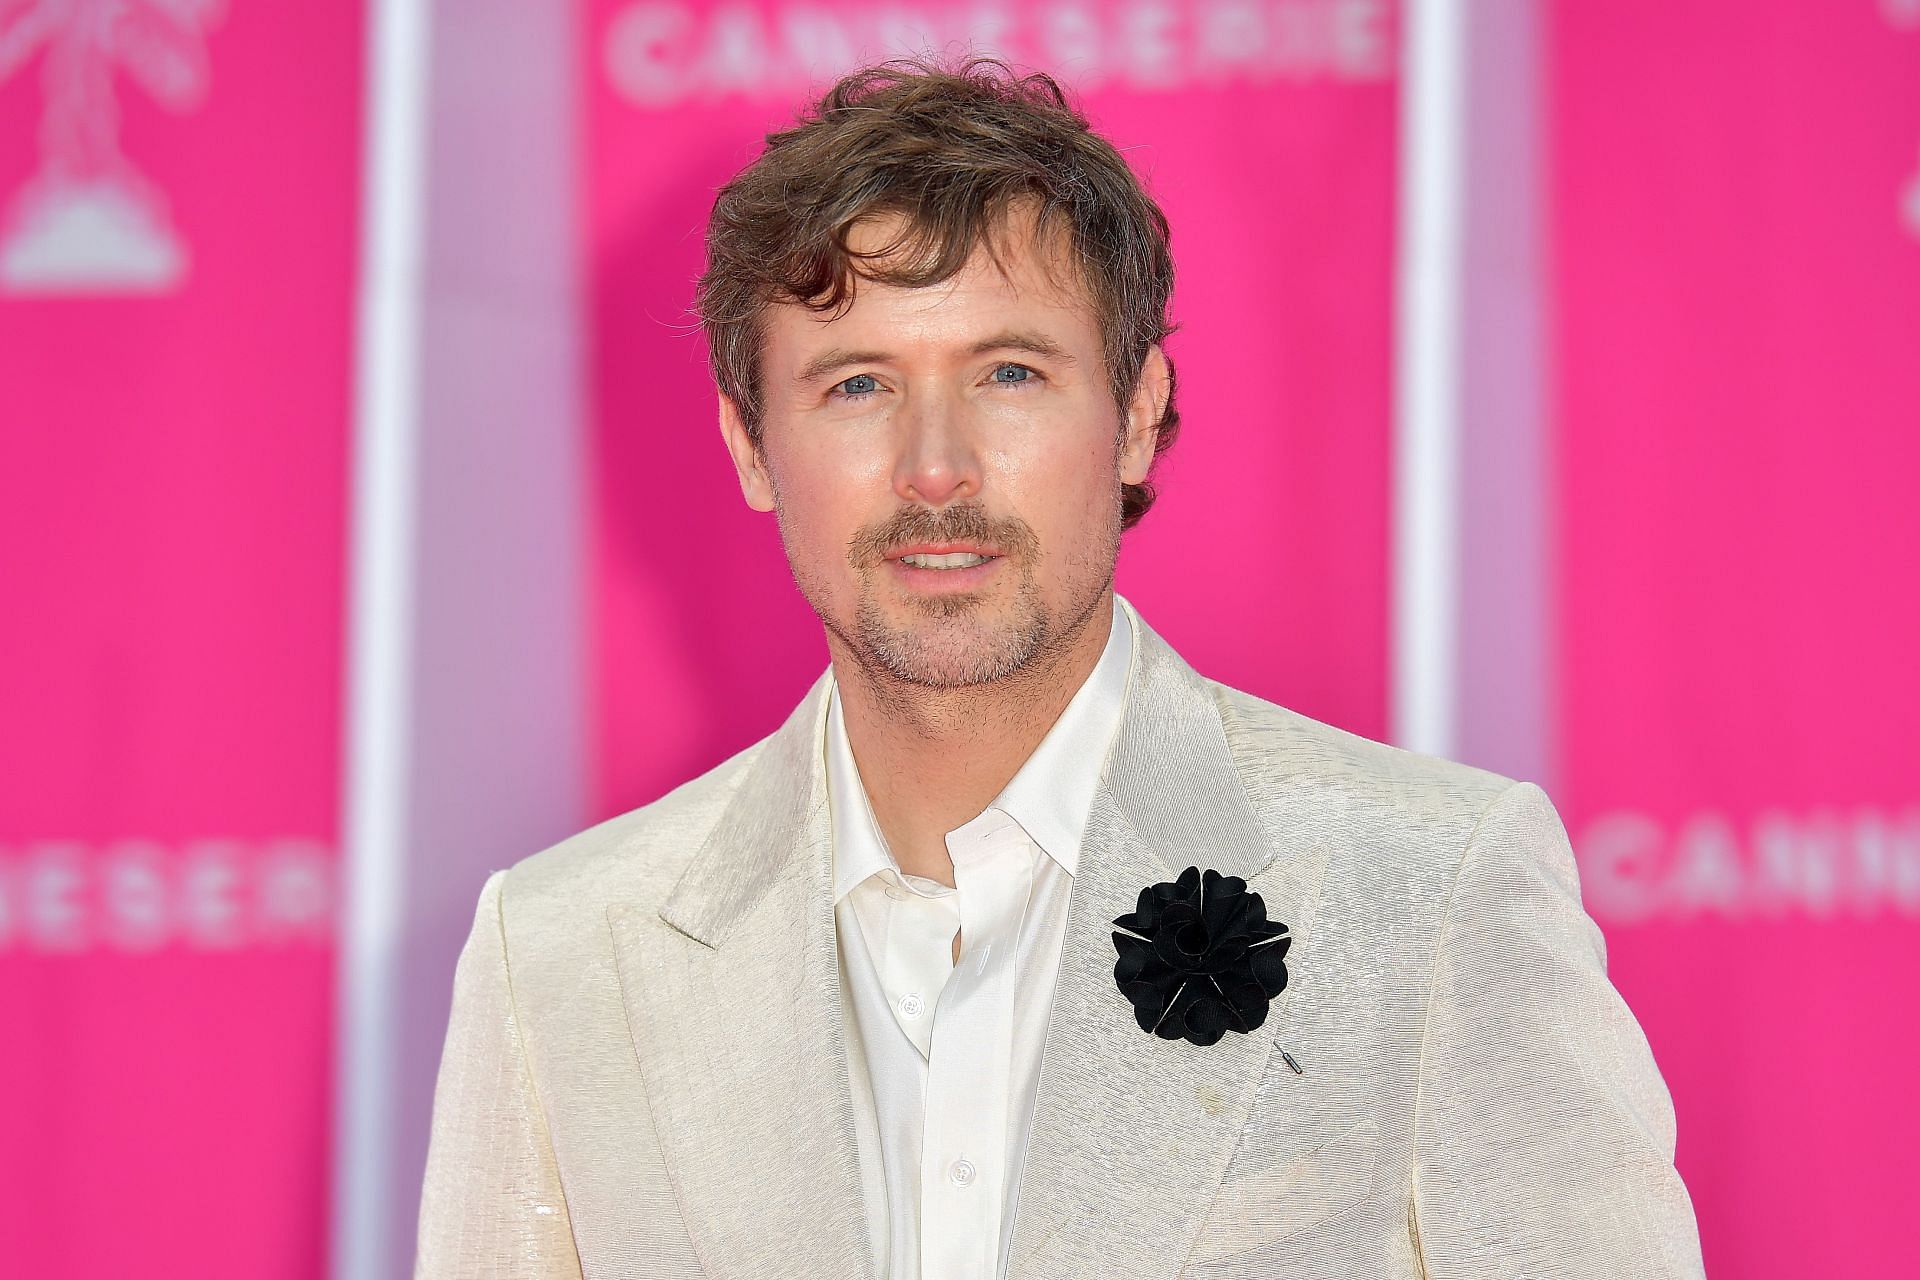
(952,560)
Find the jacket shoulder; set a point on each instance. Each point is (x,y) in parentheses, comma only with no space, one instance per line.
(1423,806)
(634,857)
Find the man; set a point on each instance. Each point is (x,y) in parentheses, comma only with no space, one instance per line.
(1021,948)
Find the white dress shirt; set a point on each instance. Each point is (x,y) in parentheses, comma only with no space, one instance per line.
(945,1058)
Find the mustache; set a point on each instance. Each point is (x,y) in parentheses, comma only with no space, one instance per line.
(968,522)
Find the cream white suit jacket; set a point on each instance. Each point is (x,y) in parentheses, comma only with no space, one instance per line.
(645,1074)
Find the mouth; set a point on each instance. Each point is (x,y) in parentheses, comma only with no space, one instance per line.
(944,557)
(943,567)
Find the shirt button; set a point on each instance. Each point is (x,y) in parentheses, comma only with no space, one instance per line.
(911,1005)
(961,1171)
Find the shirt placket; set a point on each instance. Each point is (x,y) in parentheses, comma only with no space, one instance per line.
(963,1157)
(918,956)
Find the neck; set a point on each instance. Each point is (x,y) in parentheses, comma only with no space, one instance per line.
(932,759)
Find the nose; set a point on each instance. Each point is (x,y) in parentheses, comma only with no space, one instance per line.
(938,460)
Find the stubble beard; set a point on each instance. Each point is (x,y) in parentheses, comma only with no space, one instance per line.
(952,643)
(964,641)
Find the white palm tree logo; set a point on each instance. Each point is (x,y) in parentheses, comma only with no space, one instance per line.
(86,221)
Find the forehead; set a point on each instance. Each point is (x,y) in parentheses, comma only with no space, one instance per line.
(1023,274)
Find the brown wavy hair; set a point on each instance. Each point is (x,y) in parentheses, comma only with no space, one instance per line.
(952,150)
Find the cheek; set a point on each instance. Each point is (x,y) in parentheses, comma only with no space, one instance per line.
(819,499)
(824,459)
(1069,495)
(1073,472)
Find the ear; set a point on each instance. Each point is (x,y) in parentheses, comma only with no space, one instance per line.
(756,485)
(1144,411)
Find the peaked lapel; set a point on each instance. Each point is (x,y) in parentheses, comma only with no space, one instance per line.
(732,994)
(1133,1134)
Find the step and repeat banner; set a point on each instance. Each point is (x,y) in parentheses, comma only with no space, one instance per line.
(1265,127)
(179,196)
(1735,213)
(1733,204)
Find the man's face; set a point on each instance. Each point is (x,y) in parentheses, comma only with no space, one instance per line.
(945,463)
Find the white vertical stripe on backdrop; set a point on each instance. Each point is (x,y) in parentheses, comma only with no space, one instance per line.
(381,589)
(1428,313)
(1504,718)
(500,755)
(468,740)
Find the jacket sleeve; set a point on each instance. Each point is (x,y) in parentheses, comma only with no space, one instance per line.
(1543,1132)
(491,1205)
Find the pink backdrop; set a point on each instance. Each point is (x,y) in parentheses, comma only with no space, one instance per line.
(1269,136)
(174,349)
(1735,234)
(1737,247)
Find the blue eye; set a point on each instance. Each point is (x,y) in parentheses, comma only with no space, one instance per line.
(859,384)
(1012,373)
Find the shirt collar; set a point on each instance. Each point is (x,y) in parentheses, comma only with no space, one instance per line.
(1050,797)
(858,848)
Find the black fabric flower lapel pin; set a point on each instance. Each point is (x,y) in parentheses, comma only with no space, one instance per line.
(1206,960)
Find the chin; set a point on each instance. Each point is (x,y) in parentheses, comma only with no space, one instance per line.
(956,644)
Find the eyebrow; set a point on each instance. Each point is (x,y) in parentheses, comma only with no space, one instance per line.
(836,358)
